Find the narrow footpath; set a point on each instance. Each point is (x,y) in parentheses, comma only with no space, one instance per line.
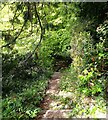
(51,107)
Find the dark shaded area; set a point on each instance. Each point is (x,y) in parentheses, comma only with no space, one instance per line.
(17,73)
(61,62)
(95,13)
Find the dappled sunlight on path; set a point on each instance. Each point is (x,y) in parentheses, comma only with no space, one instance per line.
(51,106)
(59,104)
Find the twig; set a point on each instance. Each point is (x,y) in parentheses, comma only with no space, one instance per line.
(16,36)
(41,36)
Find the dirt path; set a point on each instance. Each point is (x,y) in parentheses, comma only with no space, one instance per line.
(51,106)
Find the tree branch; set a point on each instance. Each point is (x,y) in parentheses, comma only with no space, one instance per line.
(41,36)
(25,21)
(16,36)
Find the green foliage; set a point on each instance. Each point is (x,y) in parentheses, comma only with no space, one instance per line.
(68,80)
(56,44)
(90,61)
(81,105)
(23,63)
(93,14)
(60,30)
(25,104)
(90,65)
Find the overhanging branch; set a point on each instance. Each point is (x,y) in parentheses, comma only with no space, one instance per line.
(16,36)
(41,35)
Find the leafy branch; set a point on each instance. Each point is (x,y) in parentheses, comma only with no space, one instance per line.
(41,35)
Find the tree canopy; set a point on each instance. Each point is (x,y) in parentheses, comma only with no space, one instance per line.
(39,38)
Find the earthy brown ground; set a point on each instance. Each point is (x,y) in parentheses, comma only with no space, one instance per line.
(50,107)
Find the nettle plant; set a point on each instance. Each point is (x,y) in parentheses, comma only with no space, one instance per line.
(88,61)
(92,78)
(89,84)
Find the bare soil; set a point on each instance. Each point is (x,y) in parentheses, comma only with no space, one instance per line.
(48,110)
